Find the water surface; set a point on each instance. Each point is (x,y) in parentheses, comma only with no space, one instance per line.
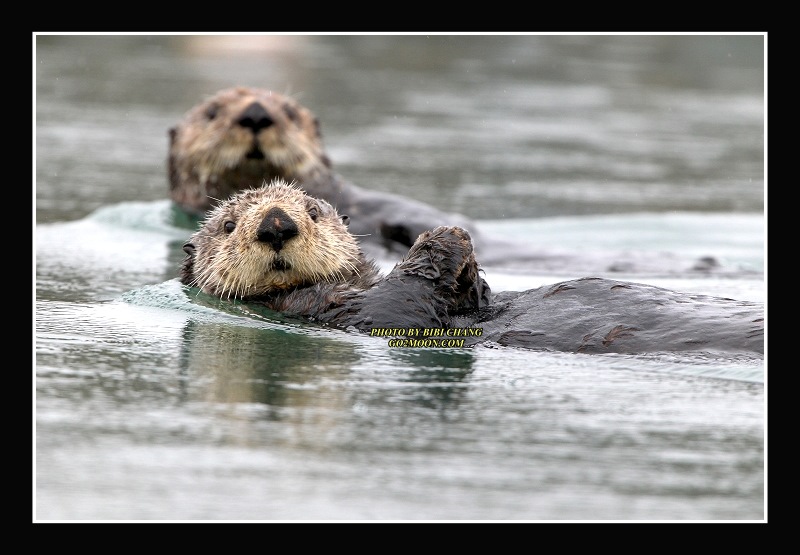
(634,155)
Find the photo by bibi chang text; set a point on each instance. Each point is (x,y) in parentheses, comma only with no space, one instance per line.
(426,337)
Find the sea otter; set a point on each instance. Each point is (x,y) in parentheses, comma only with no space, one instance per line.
(241,136)
(280,247)
(291,252)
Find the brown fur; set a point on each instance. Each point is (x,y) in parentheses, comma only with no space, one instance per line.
(237,254)
(280,247)
(240,137)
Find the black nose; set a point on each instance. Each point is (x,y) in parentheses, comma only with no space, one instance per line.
(276,228)
(255,117)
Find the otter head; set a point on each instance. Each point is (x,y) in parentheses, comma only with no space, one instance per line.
(236,139)
(270,239)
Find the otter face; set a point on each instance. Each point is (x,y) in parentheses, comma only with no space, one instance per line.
(270,239)
(238,138)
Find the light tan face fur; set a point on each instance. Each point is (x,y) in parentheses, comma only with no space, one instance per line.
(211,139)
(231,262)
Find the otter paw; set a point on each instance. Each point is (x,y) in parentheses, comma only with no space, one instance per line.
(439,254)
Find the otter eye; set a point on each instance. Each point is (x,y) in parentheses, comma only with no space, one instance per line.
(188,248)
(212,111)
(229,226)
(314,213)
(291,112)
(345,219)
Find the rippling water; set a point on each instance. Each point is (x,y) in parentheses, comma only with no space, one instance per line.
(636,156)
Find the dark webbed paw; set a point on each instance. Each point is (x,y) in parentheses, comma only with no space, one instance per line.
(445,256)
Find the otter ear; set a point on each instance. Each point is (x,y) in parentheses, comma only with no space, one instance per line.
(345,219)
(186,272)
(172,132)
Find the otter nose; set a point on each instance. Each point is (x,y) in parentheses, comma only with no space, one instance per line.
(255,117)
(276,228)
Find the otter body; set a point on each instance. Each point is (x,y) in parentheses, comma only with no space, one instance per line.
(240,137)
(598,315)
(280,247)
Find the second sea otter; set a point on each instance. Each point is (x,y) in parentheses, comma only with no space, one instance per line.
(242,136)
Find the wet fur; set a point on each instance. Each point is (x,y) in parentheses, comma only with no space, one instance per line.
(439,284)
(240,137)
(321,273)
(598,315)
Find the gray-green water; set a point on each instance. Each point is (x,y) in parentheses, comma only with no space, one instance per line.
(154,403)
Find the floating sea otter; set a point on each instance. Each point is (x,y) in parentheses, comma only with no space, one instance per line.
(241,136)
(291,252)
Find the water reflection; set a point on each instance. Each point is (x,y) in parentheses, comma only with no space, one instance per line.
(440,378)
(287,365)
(274,367)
